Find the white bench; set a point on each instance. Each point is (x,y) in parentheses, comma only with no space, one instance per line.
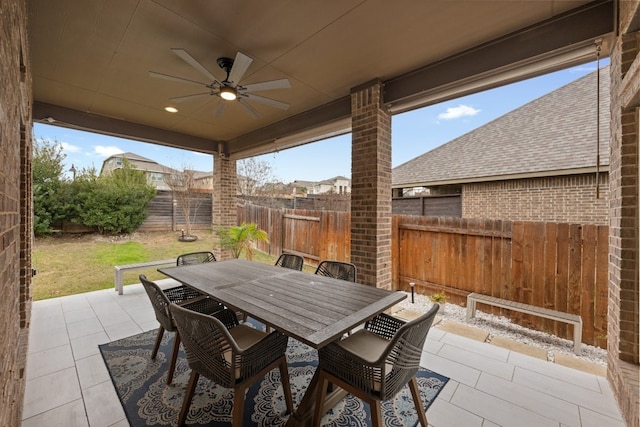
(560,316)
(120,269)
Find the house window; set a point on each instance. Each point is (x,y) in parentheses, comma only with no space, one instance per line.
(156,177)
(118,161)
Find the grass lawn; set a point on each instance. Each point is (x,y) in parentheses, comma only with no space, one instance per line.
(74,264)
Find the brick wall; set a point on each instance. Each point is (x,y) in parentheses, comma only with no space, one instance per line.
(225,181)
(557,199)
(623,338)
(15,208)
(371,186)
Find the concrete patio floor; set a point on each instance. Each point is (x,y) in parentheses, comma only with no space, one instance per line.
(68,384)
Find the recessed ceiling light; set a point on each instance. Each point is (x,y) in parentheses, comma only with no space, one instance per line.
(171,109)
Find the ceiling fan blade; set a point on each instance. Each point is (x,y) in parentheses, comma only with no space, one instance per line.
(240,66)
(189,97)
(175,79)
(193,62)
(266,101)
(270,85)
(219,108)
(252,111)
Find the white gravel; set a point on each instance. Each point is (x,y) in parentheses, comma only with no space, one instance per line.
(501,326)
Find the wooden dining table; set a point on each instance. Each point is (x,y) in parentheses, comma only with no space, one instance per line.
(312,309)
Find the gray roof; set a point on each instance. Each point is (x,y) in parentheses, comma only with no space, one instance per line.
(552,135)
(148,165)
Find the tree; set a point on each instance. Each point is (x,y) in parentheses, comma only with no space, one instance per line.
(242,237)
(253,174)
(184,189)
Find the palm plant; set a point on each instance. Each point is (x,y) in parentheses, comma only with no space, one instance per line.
(242,237)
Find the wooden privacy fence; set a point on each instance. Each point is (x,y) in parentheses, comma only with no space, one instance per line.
(164,214)
(553,265)
(316,235)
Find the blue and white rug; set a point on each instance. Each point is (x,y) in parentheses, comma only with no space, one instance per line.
(148,401)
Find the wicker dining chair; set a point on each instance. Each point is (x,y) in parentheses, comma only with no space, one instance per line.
(374,363)
(195,258)
(160,300)
(230,354)
(337,270)
(292,261)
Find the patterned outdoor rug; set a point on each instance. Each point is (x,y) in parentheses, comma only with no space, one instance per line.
(148,401)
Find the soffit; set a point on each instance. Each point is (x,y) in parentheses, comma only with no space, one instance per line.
(90,59)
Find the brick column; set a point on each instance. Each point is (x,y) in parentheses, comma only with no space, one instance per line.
(224,210)
(371,186)
(623,323)
(16,212)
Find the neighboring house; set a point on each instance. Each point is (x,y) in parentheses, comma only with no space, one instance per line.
(335,185)
(536,163)
(203,180)
(154,171)
(301,188)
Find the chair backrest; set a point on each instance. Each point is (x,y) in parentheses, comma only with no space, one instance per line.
(208,345)
(337,270)
(195,258)
(404,351)
(294,262)
(159,302)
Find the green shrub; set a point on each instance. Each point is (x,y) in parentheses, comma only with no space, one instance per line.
(117,202)
(241,238)
(48,186)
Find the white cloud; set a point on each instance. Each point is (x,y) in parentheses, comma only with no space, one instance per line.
(457,112)
(70,148)
(103,151)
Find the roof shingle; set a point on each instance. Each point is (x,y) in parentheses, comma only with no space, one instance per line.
(554,133)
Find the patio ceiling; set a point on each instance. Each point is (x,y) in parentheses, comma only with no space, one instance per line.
(90,60)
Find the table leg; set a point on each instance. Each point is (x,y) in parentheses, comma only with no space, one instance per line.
(303,415)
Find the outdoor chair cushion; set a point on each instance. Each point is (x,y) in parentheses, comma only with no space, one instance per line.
(245,337)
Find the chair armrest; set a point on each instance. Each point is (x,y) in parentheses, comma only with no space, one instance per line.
(203,304)
(255,358)
(181,293)
(355,370)
(384,325)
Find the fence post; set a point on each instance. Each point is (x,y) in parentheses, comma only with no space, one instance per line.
(174,202)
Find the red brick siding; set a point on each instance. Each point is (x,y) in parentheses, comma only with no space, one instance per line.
(225,183)
(15,208)
(371,187)
(556,199)
(623,337)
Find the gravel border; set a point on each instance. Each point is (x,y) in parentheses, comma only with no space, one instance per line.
(501,326)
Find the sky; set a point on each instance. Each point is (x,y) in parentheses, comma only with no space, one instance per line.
(413,133)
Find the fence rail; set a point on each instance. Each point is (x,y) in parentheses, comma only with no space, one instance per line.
(552,265)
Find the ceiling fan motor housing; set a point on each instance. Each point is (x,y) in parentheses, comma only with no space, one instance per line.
(226,64)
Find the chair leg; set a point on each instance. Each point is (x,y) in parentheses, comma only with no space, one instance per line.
(238,407)
(321,394)
(376,413)
(188,395)
(174,358)
(156,346)
(417,401)
(286,385)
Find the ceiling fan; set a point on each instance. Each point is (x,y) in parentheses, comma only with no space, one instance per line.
(230,88)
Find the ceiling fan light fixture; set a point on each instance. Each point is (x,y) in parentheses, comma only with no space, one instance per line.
(228,93)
